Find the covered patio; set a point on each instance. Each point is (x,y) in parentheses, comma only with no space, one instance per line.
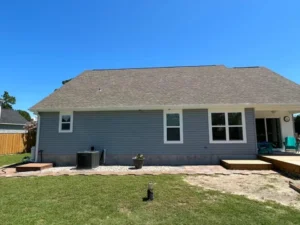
(273,126)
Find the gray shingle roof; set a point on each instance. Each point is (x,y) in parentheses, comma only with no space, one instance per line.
(12,117)
(172,86)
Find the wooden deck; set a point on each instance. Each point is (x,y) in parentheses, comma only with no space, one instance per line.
(290,164)
(33,167)
(246,164)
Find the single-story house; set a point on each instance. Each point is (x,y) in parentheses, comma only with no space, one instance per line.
(172,115)
(11,121)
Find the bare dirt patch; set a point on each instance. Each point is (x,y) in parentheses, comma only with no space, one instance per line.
(273,187)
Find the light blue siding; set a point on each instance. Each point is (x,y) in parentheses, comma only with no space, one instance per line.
(130,132)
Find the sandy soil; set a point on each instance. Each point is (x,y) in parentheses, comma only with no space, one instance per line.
(273,187)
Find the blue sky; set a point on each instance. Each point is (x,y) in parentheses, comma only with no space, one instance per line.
(45,42)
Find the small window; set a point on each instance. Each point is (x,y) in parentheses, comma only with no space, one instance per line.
(65,122)
(173,127)
(227,127)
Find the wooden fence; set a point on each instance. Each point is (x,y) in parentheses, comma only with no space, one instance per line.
(15,143)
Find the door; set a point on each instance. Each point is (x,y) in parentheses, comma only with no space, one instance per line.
(269,130)
(261,130)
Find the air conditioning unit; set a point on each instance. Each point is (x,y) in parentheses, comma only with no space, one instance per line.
(88,159)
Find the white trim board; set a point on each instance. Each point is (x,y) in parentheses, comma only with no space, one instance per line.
(16,124)
(13,131)
(180,126)
(290,107)
(227,141)
(61,114)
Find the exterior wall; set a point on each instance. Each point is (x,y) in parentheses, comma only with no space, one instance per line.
(287,128)
(126,133)
(8,128)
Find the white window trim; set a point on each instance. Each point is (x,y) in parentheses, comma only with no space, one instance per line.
(60,122)
(227,141)
(180,126)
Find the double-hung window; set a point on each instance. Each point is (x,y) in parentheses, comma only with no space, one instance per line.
(227,127)
(173,132)
(65,123)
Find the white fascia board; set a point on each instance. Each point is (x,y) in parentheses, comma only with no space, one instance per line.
(17,124)
(290,107)
(3,131)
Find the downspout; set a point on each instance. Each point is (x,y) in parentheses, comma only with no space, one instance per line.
(255,132)
(37,138)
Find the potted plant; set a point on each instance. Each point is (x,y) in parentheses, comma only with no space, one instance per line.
(138,161)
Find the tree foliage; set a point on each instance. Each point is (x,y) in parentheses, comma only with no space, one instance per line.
(297,124)
(8,100)
(31,126)
(25,114)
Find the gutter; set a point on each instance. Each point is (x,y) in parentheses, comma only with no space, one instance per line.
(16,124)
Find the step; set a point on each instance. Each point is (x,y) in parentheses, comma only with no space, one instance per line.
(254,164)
(33,167)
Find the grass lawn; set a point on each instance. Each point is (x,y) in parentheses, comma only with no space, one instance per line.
(118,200)
(11,159)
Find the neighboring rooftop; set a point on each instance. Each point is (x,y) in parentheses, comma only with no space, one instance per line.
(10,116)
(187,85)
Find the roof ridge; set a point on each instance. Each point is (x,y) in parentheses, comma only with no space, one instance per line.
(158,67)
(245,67)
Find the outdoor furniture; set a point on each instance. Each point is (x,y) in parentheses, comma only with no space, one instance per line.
(291,143)
(264,148)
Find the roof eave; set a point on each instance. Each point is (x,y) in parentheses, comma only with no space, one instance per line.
(269,106)
(17,124)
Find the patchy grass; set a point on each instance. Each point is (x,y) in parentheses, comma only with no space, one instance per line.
(118,200)
(266,186)
(270,186)
(11,159)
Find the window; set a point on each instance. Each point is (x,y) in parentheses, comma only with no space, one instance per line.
(227,127)
(173,132)
(65,122)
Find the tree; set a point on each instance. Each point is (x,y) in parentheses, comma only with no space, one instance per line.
(30,139)
(8,100)
(297,124)
(25,114)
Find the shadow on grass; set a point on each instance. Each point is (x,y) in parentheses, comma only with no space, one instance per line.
(14,165)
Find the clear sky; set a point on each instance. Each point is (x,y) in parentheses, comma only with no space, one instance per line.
(45,42)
